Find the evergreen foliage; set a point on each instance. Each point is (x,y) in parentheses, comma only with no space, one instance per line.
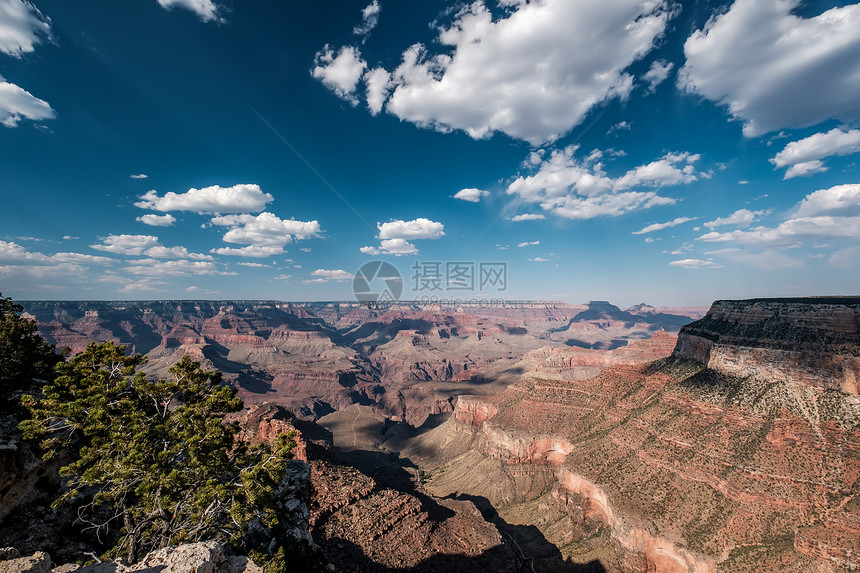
(24,354)
(156,461)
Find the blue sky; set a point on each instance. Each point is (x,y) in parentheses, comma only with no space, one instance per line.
(672,153)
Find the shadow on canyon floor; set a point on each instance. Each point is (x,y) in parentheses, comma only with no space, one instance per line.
(534,552)
(533,549)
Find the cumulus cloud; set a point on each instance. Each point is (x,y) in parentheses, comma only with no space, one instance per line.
(126,244)
(332,275)
(784,71)
(395,236)
(620,126)
(666,225)
(741,218)
(157,220)
(13,252)
(242,198)
(803,157)
(672,169)
(22,26)
(419,228)
(378,83)
(580,188)
(340,73)
(256,251)
(396,247)
(512,74)
(825,214)
(207,10)
(162,252)
(147,245)
(694,264)
(841,201)
(539,260)
(17,103)
(528,217)
(528,244)
(264,234)
(472,195)
(178,268)
(139,176)
(657,74)
(369,19)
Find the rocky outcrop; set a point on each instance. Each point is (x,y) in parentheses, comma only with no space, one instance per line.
(202,557)
(677,468)
(814,341)
(362,525)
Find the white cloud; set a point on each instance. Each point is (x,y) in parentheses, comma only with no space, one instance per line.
(803,157)
(694,264)
(17,103)
(264,235)
(661,226)
(162,252)
(471,194)
(126,244)
(242,198)
(841,200)
(792,232)
(671,169)
(265,229)
(139,176)
(378,82)
(340,73)
(21,27)
(805,169)
(419,228)
(580,189)
(539,260)
(13,252)
(825,214)
(620,126)
(529,244)
(256,251)
(774,69)
(253,265)
(657,74)
(514,74)
(333,275)
(206,9)
(157,220)
(146,284)
(369,19)
(397,247)
(528,217)
(741,218)
(177,268)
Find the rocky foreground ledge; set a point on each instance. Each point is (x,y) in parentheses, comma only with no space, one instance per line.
(203,557)
(815,341)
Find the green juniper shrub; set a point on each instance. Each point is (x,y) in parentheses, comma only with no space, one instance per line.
(157,464)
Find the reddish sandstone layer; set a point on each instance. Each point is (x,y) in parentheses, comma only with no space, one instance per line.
(689,469)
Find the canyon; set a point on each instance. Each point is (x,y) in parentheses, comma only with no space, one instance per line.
(540,436)
(688,463)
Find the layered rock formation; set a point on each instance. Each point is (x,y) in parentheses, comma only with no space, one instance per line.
(360,523)
(672,466)
(314,358)
(815,341)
